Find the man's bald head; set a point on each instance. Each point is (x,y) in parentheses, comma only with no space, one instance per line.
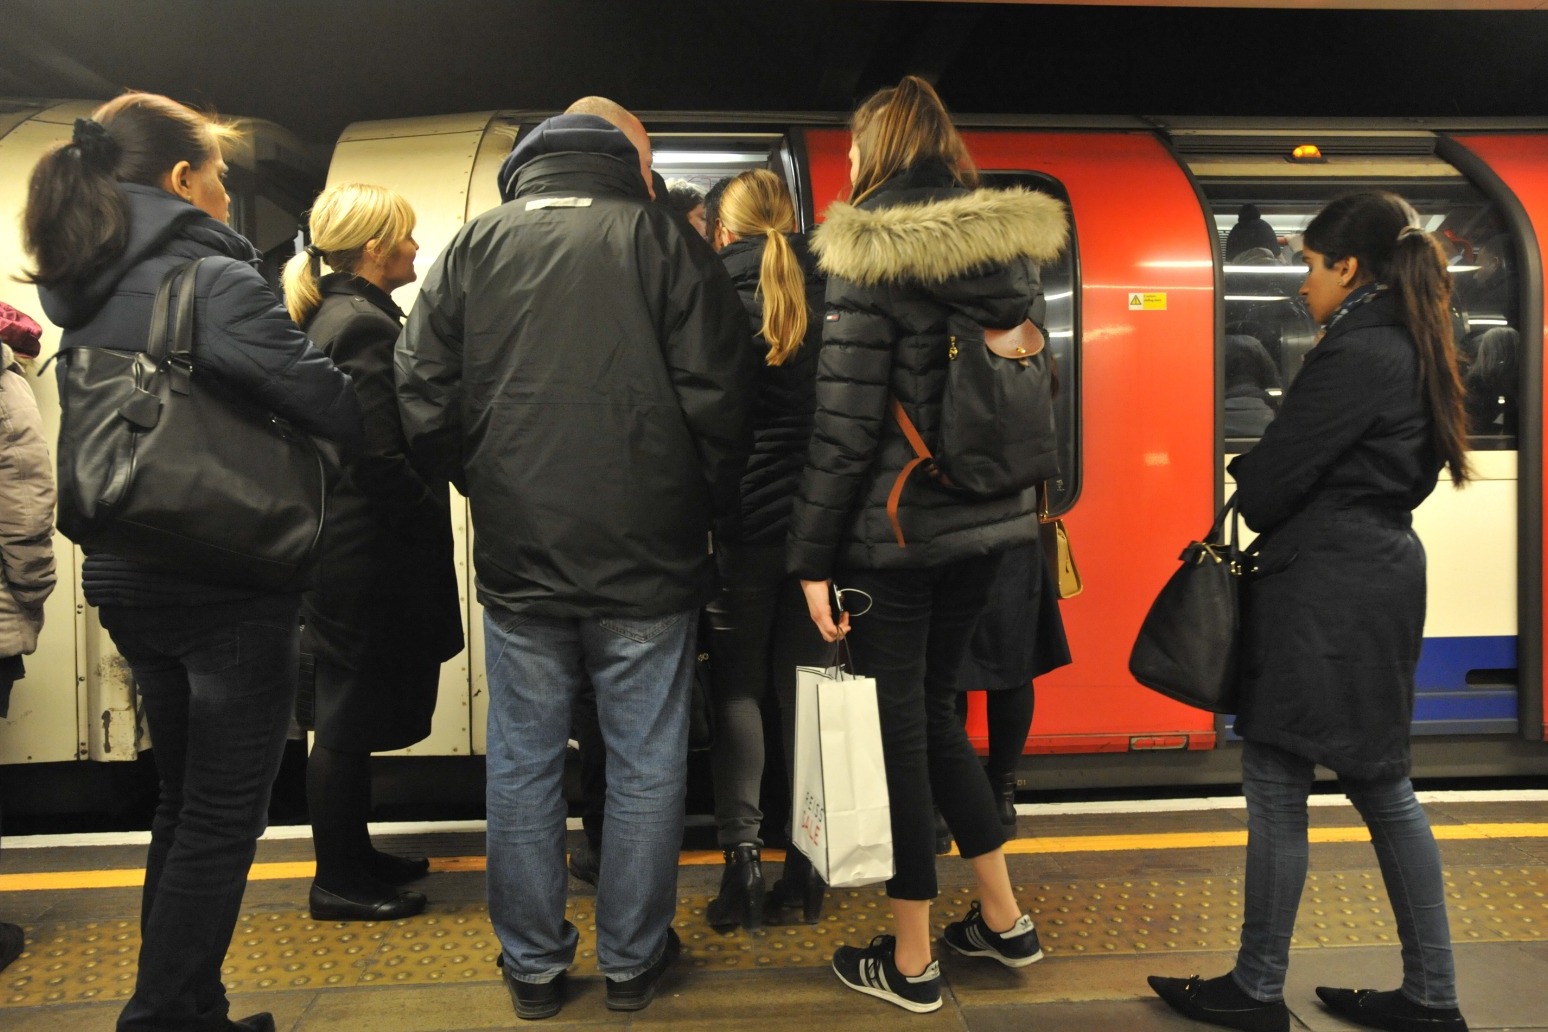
(624,119)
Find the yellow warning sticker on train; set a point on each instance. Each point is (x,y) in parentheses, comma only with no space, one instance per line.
(1139,302)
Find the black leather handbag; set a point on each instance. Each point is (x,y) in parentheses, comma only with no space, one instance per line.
(156,467)
(1187,647)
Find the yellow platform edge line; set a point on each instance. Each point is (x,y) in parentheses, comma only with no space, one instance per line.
(130,877)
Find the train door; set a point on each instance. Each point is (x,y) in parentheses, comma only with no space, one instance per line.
(1135,330)
(1467,681)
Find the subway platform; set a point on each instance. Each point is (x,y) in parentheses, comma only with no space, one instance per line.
(1118,891)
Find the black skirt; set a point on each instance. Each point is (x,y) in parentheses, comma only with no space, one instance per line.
(1020,634)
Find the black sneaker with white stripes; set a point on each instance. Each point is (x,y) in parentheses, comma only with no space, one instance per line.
(874,972)
(1015,948)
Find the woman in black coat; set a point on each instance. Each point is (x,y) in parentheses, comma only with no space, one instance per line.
(384,614)
(917,249)
(1334,611)
(137,193)
(760,631)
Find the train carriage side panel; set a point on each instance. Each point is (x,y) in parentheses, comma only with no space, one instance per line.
(1146,353)
(1519,163)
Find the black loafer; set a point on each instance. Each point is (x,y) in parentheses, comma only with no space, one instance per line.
(263,1021)
(536,1000)
(1390,1010)
(330,906)
(1220,1001)
(635,993)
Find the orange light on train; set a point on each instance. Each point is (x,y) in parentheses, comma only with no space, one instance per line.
(1307,152)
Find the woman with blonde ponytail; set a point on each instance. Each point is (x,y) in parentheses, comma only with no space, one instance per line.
(1334,612)
(384,614)
(759,629)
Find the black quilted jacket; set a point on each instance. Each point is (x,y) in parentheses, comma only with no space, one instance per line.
(786,396)
(910,254)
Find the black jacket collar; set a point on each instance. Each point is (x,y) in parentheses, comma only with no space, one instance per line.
(355,286)
(588,175)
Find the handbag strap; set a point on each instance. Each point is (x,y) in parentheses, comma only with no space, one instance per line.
(921,454)
(171,340)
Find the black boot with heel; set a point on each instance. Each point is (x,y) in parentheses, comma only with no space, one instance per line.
(741,891)
(799,888)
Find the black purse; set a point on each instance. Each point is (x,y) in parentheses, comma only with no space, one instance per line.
(157,468)
(1187,647)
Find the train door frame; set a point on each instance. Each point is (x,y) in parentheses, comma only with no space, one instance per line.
(1470,154)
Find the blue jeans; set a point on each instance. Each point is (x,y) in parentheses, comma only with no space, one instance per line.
(642,670)
(1276,784)
(217,695)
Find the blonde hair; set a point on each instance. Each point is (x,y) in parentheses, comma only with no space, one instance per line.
(900,126)
(756,203)
(344,219)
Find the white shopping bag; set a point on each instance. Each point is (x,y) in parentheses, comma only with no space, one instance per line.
(842,819)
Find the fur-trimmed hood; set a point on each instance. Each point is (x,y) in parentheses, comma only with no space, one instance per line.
(939,240)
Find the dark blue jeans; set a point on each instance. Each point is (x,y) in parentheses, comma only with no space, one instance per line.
(217,692)
(1276,784)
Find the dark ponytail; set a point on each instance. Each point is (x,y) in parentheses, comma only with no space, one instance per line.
(76,223)
(1383,232)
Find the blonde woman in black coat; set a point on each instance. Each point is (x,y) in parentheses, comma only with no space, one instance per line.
(760,631)
(917,247)
(1334,614)
(384,614)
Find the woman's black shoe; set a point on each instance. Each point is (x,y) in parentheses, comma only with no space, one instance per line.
(396,870)
(1005,795)
(741,891)
(799,886)
(1220,1001)
(1390,1010)
(330,906)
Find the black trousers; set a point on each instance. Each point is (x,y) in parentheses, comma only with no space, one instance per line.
(912,641)
(760,632)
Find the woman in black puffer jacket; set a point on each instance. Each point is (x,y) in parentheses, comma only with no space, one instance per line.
(760,630)
(917,248)
(137,192)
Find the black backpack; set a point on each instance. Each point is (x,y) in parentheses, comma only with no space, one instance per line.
(997,424)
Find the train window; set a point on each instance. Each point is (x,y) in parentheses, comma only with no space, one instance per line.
(1060,290)
(1268,330)
(703,159)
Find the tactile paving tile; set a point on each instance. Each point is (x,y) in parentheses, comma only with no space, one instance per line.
(282,950)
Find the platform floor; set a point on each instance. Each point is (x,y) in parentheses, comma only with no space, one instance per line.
(1116,896)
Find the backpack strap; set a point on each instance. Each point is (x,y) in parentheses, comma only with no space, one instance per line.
(921,454)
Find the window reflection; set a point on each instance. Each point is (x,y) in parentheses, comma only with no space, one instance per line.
(1268,331)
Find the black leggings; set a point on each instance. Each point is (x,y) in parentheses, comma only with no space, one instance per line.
(912,642)
(1010,721)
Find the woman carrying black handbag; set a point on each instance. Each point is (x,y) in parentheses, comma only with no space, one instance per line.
(1333,614)
(384,613)
(137,192)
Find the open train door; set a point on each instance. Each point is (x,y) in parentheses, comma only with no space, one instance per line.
(1512,169)
(1132,322)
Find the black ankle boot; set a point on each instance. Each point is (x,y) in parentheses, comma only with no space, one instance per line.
(799,886)
(741,891)
(1005,794)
